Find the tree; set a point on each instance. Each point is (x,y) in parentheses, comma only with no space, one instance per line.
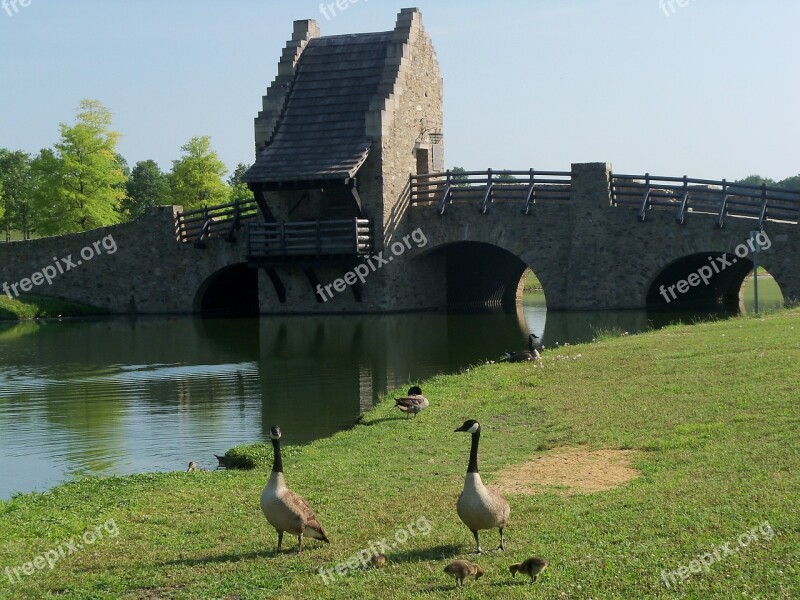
(790,183)
(82,179)
(146,187)
(49,211)
(239,189)
(757,180)
(196,178)
(458,176)
(503,178)
(18,184)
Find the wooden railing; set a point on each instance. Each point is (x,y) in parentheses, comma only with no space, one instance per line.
(350,237)
(211,221)
(484,188)
(719,198)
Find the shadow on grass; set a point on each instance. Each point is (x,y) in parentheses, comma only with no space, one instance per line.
(513,582)
(434,553)
(224,558)
(376,421)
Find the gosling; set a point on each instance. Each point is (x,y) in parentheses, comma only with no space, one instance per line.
(531,567)
(461,569)
(379,561)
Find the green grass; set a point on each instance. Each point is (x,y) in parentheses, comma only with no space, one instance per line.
(769,293)
(32,306)
(532,283)
(16,236)
(711,408)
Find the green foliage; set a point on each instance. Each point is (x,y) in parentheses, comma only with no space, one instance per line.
(256,456)
(146,187)
(757,180)
(17,185)
(790,183)
(196,178)
(82,181)
(239,189)
(34,306)
(504,178)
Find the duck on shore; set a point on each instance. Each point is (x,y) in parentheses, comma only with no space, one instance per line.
(414,403)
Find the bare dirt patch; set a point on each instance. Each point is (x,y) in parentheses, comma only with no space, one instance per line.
(569,471)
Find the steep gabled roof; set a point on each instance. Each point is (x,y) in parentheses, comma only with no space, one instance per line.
(322,131)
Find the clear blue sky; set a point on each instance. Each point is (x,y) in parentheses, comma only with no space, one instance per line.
(710,90)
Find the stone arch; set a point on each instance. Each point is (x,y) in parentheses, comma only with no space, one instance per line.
(480,275)
(229,292)
(724,287)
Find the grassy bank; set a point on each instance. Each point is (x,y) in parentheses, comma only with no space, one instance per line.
(710,410)
(31,306)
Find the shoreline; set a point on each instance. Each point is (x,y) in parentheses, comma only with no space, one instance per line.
(637,393)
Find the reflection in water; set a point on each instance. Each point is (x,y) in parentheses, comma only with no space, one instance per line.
(119,396)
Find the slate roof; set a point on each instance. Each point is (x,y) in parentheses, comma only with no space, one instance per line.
(322,132)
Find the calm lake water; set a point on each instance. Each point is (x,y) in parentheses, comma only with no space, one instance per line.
(119,396)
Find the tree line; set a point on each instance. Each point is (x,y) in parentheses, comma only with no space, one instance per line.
(82,182)
(790,183)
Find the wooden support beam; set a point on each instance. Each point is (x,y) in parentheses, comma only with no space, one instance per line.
(280,289)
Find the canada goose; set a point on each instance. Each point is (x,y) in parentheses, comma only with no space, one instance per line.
(480,507)
(531,354)
(531,567)
(414,403)
(193,467)
(285,510)
(222,460)
(379,560)
(461,569)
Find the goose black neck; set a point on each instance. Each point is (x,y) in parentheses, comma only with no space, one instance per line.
(277,466)
(473,453)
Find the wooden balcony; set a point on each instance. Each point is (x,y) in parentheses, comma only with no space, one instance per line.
(285,241)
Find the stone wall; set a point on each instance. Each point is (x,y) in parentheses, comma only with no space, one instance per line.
(149,272)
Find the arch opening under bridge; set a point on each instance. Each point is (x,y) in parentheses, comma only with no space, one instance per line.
(230,292)
(480,276)
(710,281)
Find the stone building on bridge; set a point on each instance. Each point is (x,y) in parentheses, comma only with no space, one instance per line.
(343,125)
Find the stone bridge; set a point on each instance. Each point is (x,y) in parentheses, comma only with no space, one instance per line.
(351,213)
(589,248)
